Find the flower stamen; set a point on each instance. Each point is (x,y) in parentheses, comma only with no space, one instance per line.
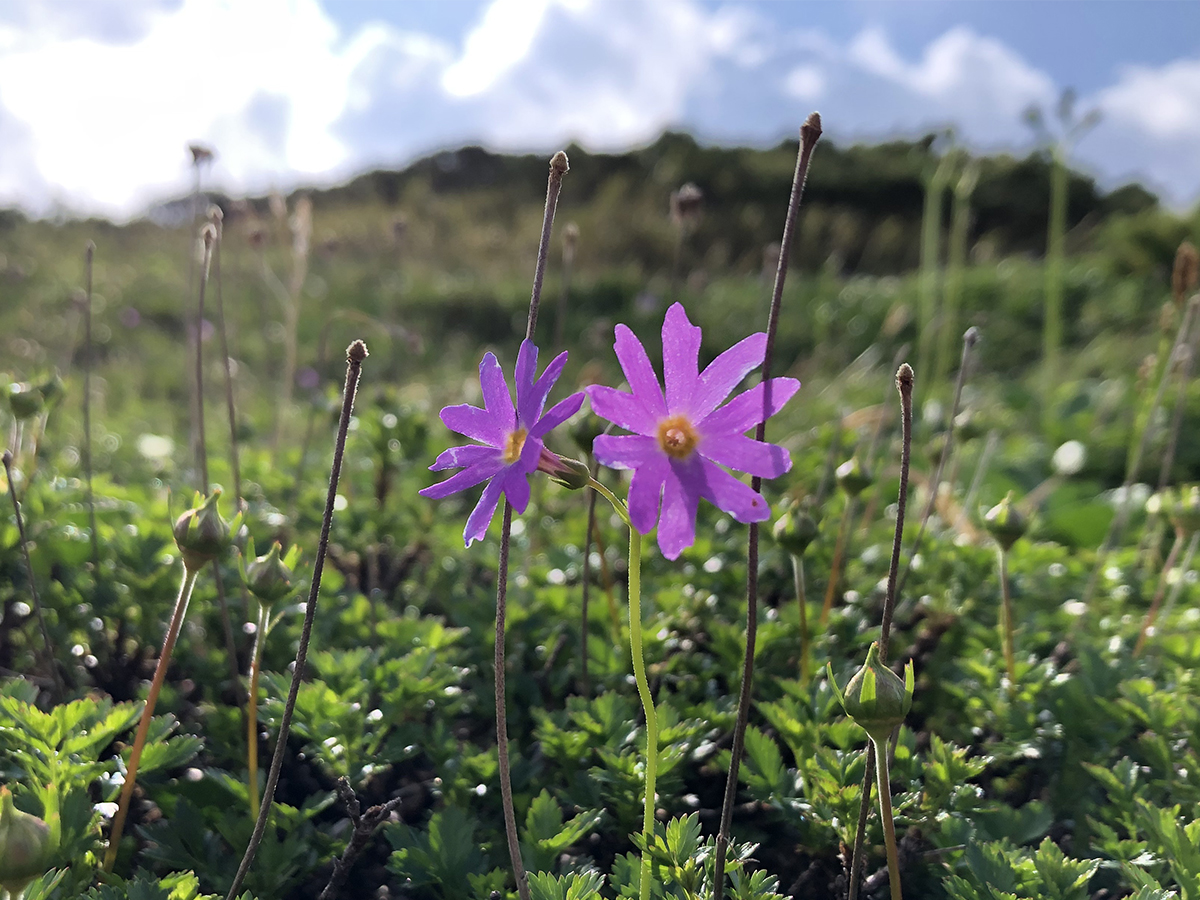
(677,436)
(514,444)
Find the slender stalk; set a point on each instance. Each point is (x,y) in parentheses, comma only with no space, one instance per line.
(1152,612)
(570,238)
(1185,376)
(643,688)
(139,741)
(1056,233)
(1184,568)
(931,241)
(839,554)
(51,662)
(904,384)
(208,234)
(510,816)
(587,586)
(558,168)
(885,815)
(956,261)
(260,636)
(970,338)
(810,132)
(230,407)
(1006,620)
(355,354)
(802,606)
(89,252)
(1135,461)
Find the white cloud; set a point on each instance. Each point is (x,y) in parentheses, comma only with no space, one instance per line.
(99,98)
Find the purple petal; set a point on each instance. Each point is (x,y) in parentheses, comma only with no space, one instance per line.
(747,455)
(626,451)
(645,490)
(530,406)
(460,481)
(463,456)
(681,497)
(681,353)
(726,372)
(531,454)
(559,413)
(523,377)
(481,515)
(746,409)
(639,373)
(623,410)
(475,423)
(496,398)
(727,493)
(516,487)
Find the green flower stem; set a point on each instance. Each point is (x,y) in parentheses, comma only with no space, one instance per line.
(139,741)
(643,686)
(1006,620)
(639,674)
(885,815)
(260,636)
(802,604)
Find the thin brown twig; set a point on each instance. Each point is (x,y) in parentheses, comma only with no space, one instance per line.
(89,253)
(355,354)
(810,132)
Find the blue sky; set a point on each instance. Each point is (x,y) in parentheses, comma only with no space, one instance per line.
(99,98)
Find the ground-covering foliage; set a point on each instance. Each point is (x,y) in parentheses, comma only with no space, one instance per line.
(1072,774)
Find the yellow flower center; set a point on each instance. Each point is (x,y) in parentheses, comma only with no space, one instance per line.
(514,445)
(677,436)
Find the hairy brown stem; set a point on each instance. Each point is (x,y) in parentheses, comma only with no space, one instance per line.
(364,824)
(904,383)
(355,354)
(810,132)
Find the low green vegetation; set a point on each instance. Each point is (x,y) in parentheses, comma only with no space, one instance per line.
(1050,751)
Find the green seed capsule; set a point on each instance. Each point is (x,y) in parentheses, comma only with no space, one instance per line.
(25,401)
(201,534)
(1005,522)
(24,846)
(795,529)
(269,578)
(876,698)
(853,477)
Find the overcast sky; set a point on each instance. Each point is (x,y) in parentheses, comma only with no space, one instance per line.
(99,98)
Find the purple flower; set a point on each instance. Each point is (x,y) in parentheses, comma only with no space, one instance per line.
(680,441)
(511,437)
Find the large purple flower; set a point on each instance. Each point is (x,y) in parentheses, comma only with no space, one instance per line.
(682,439)
(511,437)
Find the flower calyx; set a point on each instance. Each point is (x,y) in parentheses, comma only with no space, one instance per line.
(1005,523)
(25,845)
(270,577)
(876,698)
(201,534)
(573,474)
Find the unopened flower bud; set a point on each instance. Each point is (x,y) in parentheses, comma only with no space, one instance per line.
(853,477)
(24,846)
(201,534)
(1005,522)
(269,578)
(876,698)
(570,473)
(795,530)
(25,401)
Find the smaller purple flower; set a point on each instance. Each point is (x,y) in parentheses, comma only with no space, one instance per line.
(511,437)
(681,439)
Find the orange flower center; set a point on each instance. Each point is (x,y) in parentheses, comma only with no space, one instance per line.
(514,445)
(677,436)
